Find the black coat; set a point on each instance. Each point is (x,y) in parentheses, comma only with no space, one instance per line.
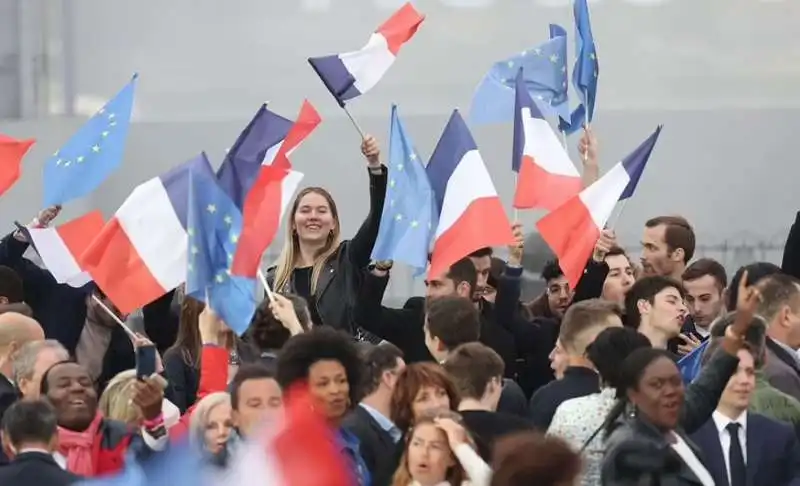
(340,279)
(8,395)
(36,468)
(376,445)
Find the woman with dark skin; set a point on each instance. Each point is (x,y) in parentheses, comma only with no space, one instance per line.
(329,362)
(69,388)
(648,446)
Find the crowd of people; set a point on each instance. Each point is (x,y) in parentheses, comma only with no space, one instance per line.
(467,385)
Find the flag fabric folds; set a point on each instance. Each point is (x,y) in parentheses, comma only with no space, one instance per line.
(256,145)
(270,196)
(409,213)
(544,68)
(573,229)
(12,151)
(214,225)
(352,74)
(546,177)
(691,364)
(586,70)
(281,454)
(471,215)
(93,152)
(140,254)
(61,247)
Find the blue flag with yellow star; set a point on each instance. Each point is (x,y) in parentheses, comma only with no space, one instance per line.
(410,213)
(214,225)
(93,152)
(586,70)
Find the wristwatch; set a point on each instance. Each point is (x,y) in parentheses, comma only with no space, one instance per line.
(382,265)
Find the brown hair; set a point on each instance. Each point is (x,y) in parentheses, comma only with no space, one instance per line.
(455,475)
(580,318)
(291,246)
(528,458)
(703,267)
(472,366)
(187,343)
(677,234)
(414,378)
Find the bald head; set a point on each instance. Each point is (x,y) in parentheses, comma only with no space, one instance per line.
(16,330)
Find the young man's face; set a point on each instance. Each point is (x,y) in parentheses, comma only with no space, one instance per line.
(483,265)
(741,384)
(667,312)
(703,299)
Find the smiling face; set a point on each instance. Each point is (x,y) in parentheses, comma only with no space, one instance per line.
(71,391)
(429,455)
(659,393)
(315,219)
(328,384)
(619,280)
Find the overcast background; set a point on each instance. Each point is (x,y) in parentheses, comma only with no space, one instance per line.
(721,75)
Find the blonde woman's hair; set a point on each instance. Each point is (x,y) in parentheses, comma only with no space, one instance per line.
(116,402)
(291,246)
(454,476)
(199,418)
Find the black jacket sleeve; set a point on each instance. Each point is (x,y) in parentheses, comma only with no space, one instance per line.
(360,247)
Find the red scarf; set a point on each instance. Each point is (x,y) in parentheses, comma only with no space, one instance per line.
(78,447)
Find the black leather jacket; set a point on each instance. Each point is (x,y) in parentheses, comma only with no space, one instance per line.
(340,279)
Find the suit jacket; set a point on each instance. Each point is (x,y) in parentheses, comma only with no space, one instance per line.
(8,395)
(376,445)
(782,370)
(36,468)
(773,453)
(637,453)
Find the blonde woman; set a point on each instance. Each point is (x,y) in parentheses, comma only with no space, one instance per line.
(116,402)
(314,263)
(438,452)
(211,427)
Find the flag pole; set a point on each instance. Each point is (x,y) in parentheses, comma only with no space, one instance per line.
(264,282)
(515,210)
(354,122)
(586,103)
(616,216)
(563,138)
(116,318)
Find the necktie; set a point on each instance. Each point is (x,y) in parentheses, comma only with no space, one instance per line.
(738,470)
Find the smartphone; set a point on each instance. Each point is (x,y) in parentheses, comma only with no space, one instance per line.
(145,361)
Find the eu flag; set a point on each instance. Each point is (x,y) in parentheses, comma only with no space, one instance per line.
(409,213)
(691,364)
(545,69)
(214,226)
(586,70)
(92,154)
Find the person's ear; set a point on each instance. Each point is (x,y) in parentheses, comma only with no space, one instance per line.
(677,255)
(463,289)
(643,306)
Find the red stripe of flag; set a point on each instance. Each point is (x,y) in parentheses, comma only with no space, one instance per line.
(12,151)
(400,27)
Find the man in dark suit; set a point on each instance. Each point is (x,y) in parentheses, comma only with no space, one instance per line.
(29,435)
(369,421)
(743,448)
(780,307)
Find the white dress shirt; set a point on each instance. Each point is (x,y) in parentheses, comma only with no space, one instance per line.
(690,459)
(721,422)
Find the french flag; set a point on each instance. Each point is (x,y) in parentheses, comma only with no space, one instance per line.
(257,145)
(352,74)
(270,196)
(140,254)
(546,177)
(282,455)
(471,215)
(573,229)
(61,247)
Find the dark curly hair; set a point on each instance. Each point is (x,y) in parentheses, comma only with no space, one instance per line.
(321,344)
(267,333)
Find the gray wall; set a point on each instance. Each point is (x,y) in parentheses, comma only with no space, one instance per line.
(721,75)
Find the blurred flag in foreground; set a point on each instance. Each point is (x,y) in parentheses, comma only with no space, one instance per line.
(409,213)
(92,154)
(691,363)
(352,74)
(573,229)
